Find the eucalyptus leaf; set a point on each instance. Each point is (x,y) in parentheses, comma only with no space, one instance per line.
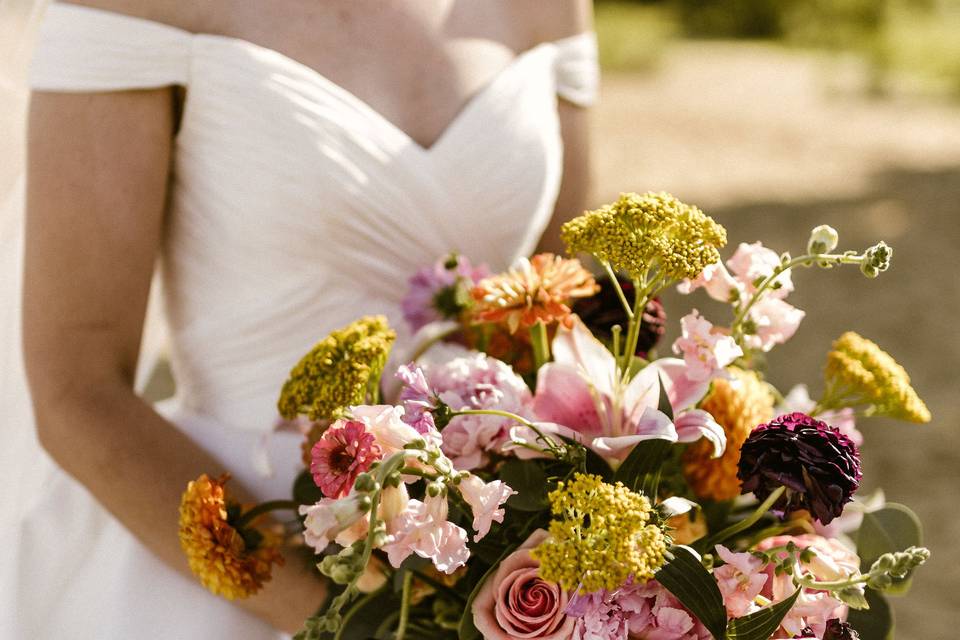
(686,578)
(894,527)
(762,624)
(640,470)
(875,623)
(529,480)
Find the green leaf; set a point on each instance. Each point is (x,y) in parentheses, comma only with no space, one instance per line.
(893,527)
(686,578)
(875,623)
(529,480)
(762,624)
(305,490)
(640,471)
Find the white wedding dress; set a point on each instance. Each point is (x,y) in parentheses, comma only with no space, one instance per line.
(295,207)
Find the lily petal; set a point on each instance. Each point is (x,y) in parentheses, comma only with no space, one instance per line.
(695,424)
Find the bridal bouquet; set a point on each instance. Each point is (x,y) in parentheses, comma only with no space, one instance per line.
(536,470)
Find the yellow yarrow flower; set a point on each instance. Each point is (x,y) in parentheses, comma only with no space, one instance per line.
(639,234)
(339,371)
(216,551)
(738,405)
(601,535)
(859,372)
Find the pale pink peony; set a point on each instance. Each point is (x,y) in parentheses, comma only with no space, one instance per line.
(753,262)
(422,529)
(344,451)
(776,321)
(516,603)
(645,611)
(579,396)
(476,381)
(740,580)
(706,351)
(485,500)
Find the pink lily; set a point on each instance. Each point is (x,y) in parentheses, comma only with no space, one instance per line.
(583,394)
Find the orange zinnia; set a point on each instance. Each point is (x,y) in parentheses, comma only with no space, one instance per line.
(217,553)
(536,290)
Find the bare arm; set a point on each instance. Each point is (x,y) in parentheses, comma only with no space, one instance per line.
(570,17)
(97,177)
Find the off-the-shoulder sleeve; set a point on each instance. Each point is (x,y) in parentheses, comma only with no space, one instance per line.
(86,49)
(578,71)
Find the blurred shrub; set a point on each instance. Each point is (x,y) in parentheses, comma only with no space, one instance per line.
(732,18)
(632,35)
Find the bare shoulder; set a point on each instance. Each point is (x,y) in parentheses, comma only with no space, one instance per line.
(183,14)
(548,21)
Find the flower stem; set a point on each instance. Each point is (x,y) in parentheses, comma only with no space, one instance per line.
(404,606)
(541,345)
(744,524)
(618,289)
(266,507)
(551,444)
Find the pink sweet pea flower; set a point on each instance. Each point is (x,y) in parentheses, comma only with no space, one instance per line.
(705,350)
(422,528)
(740,580)
(485,500)
(776,322)
(580,395)
(328,519)
(753,262)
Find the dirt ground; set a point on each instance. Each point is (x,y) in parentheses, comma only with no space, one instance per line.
(772,143)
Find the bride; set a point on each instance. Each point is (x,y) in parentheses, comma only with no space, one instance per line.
(288,165)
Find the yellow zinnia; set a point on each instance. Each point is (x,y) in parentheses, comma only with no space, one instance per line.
(217,553)
(738,405)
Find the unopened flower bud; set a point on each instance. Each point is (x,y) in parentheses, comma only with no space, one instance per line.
(365,483)
(363,503)
(419,443)
(434,489)
(876,259)
(823,239)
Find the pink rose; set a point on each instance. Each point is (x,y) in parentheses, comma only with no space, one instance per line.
(517,603)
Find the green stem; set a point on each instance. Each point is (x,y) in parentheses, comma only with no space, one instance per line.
(744,524)
(555,449)
(404,606)
(633,327)
(540,343)
(360,604)
(266,507)
(831,585)
(618,289)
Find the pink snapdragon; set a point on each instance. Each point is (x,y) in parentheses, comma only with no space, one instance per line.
(340,520)
(706,351)
(753,262)
(798,399)
(775,320)
(344,451)
(485,500)
(740,580)
(716,281)
(423,529)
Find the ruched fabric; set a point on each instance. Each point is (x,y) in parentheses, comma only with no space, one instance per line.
(295,207)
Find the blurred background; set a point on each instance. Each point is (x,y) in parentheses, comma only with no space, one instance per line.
(775,116)
(778,115)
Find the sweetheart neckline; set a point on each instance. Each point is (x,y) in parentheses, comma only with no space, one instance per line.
(359,104)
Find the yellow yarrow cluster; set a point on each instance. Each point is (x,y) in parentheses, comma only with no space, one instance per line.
(738,405)
(339,371)
(640,233)
(601,535)
(216,551)
(858,372)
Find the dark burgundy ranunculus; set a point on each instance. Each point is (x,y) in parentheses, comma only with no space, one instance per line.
(602,311)
(819,466)
(837,630)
